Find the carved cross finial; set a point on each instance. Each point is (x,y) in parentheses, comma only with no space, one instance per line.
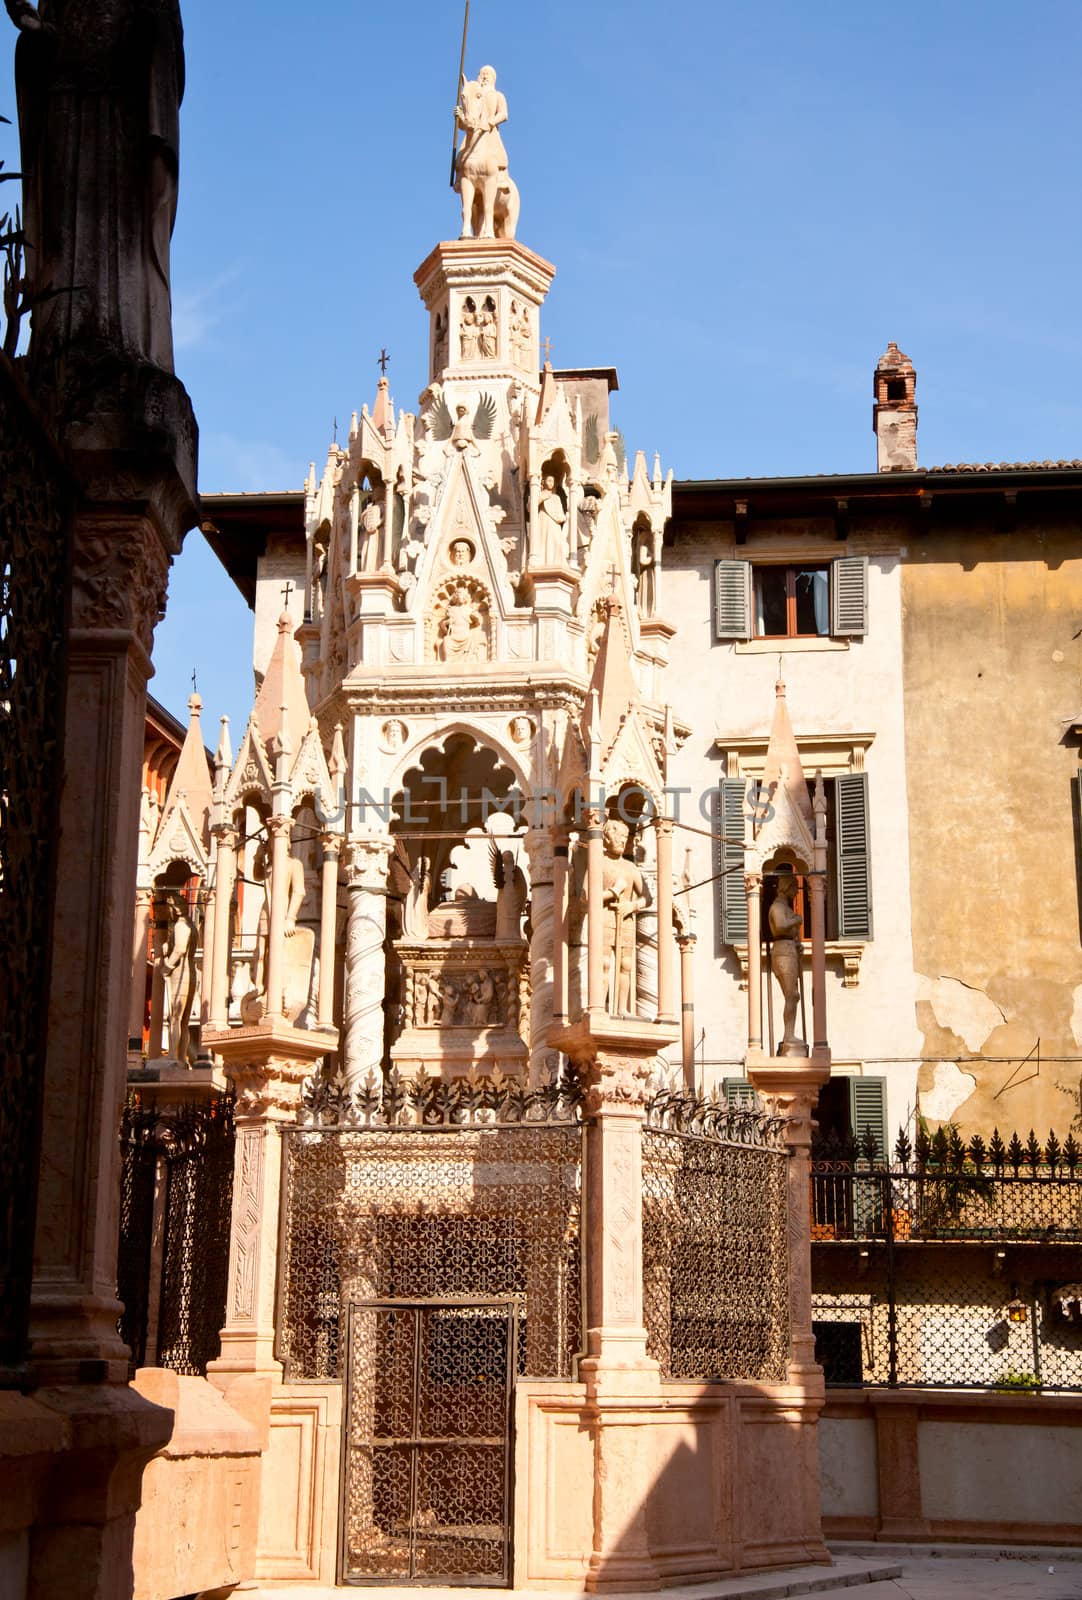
(382,359)
(336,430)
(286,592)
(194,687)
(546,345)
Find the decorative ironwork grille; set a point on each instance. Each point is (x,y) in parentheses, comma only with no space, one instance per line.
(190,1151)
(469,1189)
(955,1275)
(427,1458)
(715,1240)
(35,560)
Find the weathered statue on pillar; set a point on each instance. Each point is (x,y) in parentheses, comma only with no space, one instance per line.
(297,957)
(623,897)
(99,90)
(177,963)
(490,200)
(786,928)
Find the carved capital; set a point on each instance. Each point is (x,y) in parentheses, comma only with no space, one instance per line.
(279,825)
(366,864)
(119,576)
(268,1093)
(615,1082)
(753,882)
(539,847)
(332,845)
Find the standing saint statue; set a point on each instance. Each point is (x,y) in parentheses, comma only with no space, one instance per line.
(489,197)
(623,896)
(371,523)
(786,928)
(177,963)
(551,525)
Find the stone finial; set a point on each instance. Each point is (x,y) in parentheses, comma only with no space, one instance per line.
(894,414)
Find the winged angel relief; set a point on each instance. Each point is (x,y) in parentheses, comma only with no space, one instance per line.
(462,430)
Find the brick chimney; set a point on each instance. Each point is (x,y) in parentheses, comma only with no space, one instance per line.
(894,414)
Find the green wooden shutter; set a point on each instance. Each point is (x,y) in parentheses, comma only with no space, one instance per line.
(732,606)
(729,861)
(853,860)
(868,1111)
(849,597)
(739,1093)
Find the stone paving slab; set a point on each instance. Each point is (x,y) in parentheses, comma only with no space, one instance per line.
(845,1573)
(954,1575)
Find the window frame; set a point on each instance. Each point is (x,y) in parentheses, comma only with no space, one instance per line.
(791,569)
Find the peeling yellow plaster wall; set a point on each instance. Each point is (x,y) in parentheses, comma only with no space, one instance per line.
(991,670)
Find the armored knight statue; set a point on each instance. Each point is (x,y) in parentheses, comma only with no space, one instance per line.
(490,200)
(623,897)
(786,927)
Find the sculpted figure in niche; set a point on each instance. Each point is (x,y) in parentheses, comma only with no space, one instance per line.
(462,635)
(490,201)
(488,329)
(623,897)
(786,927)
(439,342)
(371,522)
(510,881)
(645,568)
(99,90)
(461,553)
(177,963)
(551,525)
(469,332)
(295,891)
(415,909)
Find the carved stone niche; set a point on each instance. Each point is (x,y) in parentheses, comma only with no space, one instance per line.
(464,1003)
(458,626)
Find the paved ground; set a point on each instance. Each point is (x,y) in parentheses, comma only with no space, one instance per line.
(868,1572)
(956,1574)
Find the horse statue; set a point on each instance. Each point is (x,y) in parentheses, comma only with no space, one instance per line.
(490,200)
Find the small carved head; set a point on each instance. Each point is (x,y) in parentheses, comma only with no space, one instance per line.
(614,836)
(487,77)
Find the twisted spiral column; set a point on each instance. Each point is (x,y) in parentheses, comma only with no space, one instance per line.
(539,849)
(365,977)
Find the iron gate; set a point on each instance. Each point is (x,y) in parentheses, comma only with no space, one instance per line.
(426,1492)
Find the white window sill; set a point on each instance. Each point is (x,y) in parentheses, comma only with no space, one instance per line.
(772,647)
(848,952)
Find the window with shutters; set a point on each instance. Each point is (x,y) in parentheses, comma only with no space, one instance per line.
(812,600)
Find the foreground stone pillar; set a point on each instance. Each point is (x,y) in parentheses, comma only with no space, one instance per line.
(268,1091)
(686,945)
(614,1057)
(366,965)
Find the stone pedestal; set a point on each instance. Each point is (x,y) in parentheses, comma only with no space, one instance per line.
(790,1088)
(615,1057)
(267,1064)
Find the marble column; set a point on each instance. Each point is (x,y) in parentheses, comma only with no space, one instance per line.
(596,998)
(224,880)
(328,926)
(539,849)
(366,965)
(560,931)
(686,944)
(281,829)
(753,888)
(137,1005)
(666,1009)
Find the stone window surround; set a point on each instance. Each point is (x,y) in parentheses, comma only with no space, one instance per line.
(744,756)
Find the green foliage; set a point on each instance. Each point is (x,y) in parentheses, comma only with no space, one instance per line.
(1011,1382)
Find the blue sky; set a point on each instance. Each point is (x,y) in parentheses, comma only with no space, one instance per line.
(744,202)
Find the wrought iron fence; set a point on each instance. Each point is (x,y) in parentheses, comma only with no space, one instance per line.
(173,1288)
(432,1190)
(955,1271)
(715,1240)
